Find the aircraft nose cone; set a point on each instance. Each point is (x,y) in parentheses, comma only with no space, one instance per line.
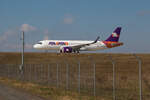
(35,46)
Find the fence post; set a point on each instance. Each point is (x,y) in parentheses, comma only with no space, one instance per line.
(28,71)
(8,71)
(16,71)
(67,75)
(15,75)
(94,75)
(114,77)
(48,74)
(30,76)
(94,81)
(57,74)
(140,75)
(41,72)
(79,77)
(24,74)
(34,74)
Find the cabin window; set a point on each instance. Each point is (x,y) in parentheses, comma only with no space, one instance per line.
(39,43)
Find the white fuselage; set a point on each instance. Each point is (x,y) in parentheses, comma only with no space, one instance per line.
(69,46)
(58,44)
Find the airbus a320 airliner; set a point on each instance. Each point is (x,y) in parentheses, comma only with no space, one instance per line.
(70,46)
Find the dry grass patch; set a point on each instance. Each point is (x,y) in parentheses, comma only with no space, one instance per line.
(44,91)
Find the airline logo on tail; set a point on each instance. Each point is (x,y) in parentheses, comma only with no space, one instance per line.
(114,35)
(113,39)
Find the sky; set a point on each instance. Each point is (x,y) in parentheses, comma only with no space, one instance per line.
(74,20)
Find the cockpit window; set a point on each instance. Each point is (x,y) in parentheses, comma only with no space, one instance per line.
(39,43)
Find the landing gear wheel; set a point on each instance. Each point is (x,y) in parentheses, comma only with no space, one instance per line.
(74,51)
(60,51)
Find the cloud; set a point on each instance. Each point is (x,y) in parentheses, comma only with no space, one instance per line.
(46,32)
(10,39)
(143,13)
(27,28)
(28,46)
(17,46)
(6,34)
(15,31)
(45,37)
(12,46)
(68,19)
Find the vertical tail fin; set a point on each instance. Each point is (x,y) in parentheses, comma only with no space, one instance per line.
(114,37)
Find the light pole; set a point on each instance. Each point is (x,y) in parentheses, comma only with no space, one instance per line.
(21,67)
(140,74)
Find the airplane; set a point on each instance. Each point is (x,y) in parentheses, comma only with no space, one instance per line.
(75,46)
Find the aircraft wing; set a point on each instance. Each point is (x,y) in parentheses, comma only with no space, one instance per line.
(77,47)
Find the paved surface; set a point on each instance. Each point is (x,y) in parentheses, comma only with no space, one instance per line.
(9,93)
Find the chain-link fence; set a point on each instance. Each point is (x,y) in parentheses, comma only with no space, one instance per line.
(111,78)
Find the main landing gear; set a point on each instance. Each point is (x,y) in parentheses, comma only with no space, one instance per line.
(76,51)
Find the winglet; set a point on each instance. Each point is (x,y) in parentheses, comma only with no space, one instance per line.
(96,39)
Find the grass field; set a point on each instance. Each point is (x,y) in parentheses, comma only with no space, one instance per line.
(125,64)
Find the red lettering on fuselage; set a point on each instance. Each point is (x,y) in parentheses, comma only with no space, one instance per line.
(58,43)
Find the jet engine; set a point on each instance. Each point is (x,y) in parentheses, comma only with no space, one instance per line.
(66,50)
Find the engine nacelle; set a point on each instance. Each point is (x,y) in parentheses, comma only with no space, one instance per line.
(66,50)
